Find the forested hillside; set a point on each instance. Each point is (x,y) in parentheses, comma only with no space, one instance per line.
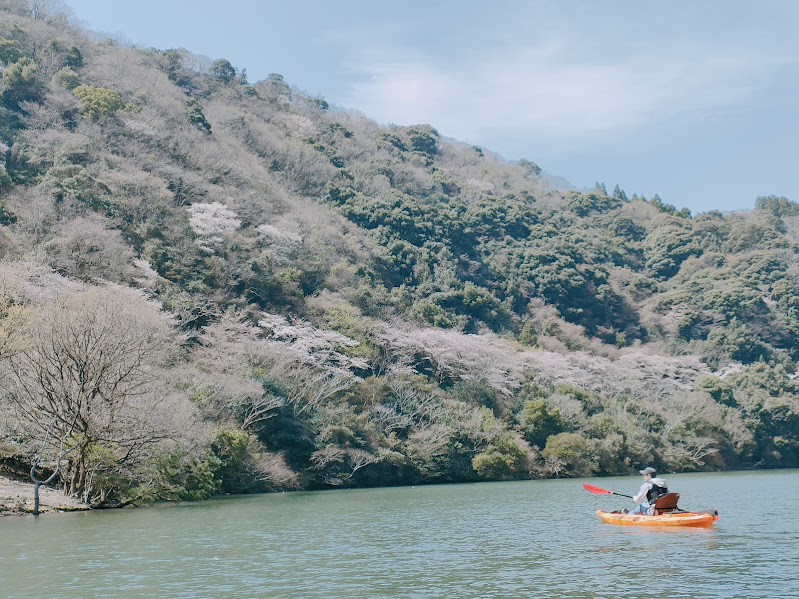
(216,285)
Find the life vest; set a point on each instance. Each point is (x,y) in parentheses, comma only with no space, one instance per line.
(654,492)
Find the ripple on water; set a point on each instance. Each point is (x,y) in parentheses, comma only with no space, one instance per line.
(527,539)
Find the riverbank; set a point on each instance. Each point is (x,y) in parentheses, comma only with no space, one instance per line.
(16,497)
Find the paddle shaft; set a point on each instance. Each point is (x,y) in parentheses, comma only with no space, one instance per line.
(621,495)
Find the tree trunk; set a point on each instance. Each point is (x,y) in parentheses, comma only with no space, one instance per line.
(36,498)
(77,482)
(36,481)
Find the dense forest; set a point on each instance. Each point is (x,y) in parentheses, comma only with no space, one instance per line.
(213,285)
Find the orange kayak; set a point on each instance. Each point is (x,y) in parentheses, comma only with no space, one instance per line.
(706,519)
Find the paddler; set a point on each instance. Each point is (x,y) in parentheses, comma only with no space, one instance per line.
(652,488)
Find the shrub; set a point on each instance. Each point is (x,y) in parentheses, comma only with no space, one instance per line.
(423,139)
(503,460)
(223,70)
(67,78)
(9,50)
(74,182)
(179,476)
(538,421)
(73,58)
(195,115)
(569,454)
(97,101)
(21,83)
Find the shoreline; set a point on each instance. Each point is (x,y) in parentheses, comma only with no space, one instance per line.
(16,499)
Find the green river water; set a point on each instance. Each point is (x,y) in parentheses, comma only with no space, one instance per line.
(515,539)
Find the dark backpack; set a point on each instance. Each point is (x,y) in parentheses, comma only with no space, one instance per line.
(655,492)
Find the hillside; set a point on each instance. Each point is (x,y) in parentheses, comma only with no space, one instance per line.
(212,285)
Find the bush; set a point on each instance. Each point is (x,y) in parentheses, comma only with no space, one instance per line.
(195,115)
(538,421)
(21,83)
(97,101)
(423,139)
(583,204)
(67,78)
(73,58)
(501,461)
(223,70)
(9,50)
(181,477)
(569,454)
(74,182)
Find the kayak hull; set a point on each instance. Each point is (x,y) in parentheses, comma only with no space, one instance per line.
(703,519)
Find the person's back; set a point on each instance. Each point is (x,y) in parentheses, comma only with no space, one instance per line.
(659,487)
(652,488)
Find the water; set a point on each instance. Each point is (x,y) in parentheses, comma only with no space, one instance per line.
(517,539)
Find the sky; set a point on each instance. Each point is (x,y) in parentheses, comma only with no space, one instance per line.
(693,101)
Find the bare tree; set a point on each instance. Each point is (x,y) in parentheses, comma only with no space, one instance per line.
(348,460)
(90,362)
(406,407)
(50,11)
(451,355)
(255,410)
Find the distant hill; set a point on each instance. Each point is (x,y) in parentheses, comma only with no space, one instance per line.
(340,303)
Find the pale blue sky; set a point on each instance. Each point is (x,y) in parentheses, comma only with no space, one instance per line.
(694,101)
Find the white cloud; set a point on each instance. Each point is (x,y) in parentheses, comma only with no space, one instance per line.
(545,91)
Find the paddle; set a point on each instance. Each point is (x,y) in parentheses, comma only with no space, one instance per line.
(598,491)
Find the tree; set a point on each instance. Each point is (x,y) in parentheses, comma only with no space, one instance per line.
(667,246)
(21,83)
(9,50)
(37,482)
(194,113)
(538,421)
(223,70)
(778,205)
(50,11)
(583,204)
(97,101)
(67,78)
(90,363)
(73,58)
(568,453)
(503,459)
(423,139)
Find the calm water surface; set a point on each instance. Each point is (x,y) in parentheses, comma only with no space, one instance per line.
(517,539)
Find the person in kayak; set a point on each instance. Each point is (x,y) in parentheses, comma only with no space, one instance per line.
(652,488)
